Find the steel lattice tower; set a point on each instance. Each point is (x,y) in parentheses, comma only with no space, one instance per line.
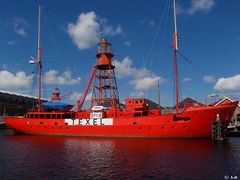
(105,92)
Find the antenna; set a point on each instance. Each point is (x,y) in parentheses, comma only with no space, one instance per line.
(175,25)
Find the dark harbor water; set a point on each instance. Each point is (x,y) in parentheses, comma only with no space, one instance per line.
(47,157)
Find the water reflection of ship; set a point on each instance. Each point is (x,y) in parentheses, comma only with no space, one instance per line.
(122,158)
(233,128)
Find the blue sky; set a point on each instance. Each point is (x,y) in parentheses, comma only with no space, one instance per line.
(141,36)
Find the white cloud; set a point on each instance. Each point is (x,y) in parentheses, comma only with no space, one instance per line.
(20,25)
(209,79)
(107,29)
(152,23)
(186,79)
(118,30)
(75,96)
(142,78)
(11,42)
(52,77)
(197,6)
(86,32)
(229,83)
(10,81)
(124,68)
(137,94)
(145,83)
(127,43)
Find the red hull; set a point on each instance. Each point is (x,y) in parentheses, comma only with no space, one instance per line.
(191,123)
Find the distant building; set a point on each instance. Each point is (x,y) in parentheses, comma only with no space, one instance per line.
(225,100)
(188,103)
(13,104)
(153,105)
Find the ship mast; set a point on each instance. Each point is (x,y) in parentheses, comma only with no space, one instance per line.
(39,60)
(175,46)
(158,93)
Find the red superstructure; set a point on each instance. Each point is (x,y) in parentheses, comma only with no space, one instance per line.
(107,118)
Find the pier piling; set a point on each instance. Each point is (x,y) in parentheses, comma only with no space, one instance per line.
(218,129)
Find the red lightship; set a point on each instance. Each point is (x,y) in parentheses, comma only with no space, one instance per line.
(107,118)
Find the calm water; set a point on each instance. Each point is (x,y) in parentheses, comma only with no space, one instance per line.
(44,157)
